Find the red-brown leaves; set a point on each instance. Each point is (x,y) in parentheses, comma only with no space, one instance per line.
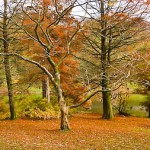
(88,132)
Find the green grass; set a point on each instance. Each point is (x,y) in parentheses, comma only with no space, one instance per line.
(134,102)
(136,99)
(35,90)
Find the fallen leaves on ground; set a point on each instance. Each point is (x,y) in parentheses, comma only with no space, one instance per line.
(89,132)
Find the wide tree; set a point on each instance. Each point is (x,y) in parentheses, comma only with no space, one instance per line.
(113,26)
(49,35)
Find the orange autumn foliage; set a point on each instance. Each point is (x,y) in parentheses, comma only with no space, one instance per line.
(58,41)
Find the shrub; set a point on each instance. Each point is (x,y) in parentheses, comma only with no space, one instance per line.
(35,107)
(141,90)
(37,113)
(4,110)
(121,104)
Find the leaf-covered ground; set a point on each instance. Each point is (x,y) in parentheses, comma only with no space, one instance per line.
(89,132)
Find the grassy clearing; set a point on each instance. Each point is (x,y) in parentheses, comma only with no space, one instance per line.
(136,99)
(89,132)
(134,102)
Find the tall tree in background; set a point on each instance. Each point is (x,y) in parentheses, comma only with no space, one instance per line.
(111,27)
(6,40)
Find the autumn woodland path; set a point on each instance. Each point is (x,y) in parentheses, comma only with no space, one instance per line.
(89,132)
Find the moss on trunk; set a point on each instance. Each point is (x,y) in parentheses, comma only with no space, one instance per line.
(107,106)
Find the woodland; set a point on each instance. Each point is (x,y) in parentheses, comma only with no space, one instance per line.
(74,74)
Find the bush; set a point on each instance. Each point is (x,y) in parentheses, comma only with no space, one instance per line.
(35,107)
(121,104)
(4,109)
(36,113)
(141,90)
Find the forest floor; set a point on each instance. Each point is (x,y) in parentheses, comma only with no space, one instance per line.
(89,132)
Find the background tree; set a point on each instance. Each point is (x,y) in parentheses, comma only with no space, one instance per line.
(111,27)
(7,31)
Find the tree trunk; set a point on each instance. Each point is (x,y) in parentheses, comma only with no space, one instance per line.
(43,88)
(62,104)
(64,115)
(6,63)
(46,89)
(107,107)
(149,110)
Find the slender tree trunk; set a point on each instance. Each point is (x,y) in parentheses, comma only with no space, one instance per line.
(148,93)
(107,107)
(6,63)
(46,89)
(62,104)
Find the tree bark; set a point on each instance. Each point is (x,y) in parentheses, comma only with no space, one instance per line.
(64,112)
(64,115)
(6,63)
(107,107)
(46,89)
(62,104)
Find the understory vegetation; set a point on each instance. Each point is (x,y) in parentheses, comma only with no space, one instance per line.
(33,106)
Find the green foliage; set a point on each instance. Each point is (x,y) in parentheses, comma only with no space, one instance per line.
(141,90)
(36,113)
(30,106)
(35,107)
(146,104)
(136,99)
(134,102)
(4,110)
